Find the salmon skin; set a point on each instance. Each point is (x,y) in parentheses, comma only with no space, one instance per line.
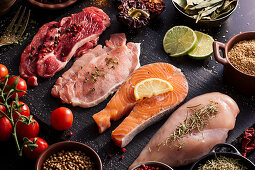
(143,112)
(196,143)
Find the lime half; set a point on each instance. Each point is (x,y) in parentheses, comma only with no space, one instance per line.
(179,40)
(204,46)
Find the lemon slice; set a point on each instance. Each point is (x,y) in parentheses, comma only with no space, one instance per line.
(179,41)
(150,87)
(204,46)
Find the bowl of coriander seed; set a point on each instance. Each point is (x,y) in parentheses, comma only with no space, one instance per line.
(69,155)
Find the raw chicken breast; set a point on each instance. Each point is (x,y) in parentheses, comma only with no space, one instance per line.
(191,147)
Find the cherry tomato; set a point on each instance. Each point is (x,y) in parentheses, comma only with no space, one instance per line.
(25,111)
(5,129)
(28,131)
(61,118)
(42,145)
(22,85)
(3,70)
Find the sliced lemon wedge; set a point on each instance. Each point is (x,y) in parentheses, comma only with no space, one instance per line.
(150,87)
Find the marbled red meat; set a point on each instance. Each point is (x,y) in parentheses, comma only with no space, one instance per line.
(98,73)
(57,42)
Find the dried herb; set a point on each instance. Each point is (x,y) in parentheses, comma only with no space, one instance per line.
(206,9)
(194,123)
(138,13)
(222,162)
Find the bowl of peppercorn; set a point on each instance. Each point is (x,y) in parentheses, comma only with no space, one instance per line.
(69,155)
(52,4)
(152,165)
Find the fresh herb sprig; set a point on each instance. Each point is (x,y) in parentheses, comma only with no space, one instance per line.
(195,122)
(12,107)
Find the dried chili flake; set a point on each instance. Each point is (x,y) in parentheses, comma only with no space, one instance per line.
(147,167)
(123,149)
(248,141)
(109,155)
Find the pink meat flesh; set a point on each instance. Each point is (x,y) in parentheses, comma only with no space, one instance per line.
(57,42)
(75,86)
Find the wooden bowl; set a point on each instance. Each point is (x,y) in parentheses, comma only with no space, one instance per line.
(69,145)
(52,6)
(241,81)
(5,6)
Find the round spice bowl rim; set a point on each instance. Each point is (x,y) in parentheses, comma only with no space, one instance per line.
(52,6)
(152,163)
(213,153)
(228,48)
(73,144)
(204,20)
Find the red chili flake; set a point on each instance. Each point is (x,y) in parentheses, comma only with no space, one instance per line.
(122,156)
(148,167)
(123,149)
(109,155)
(70,133)
(248,141)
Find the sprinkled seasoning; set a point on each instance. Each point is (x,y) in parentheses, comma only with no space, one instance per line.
(242,56)
(223,163)
(69,160)
(100,3)
(195,122)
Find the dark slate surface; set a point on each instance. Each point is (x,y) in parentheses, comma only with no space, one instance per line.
(203,76)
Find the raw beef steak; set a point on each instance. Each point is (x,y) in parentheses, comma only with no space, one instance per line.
(57,42)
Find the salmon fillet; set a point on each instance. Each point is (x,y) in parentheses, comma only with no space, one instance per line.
(196,144)
(102,69)
(144,111)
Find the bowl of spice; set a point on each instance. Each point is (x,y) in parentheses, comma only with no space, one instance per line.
(238,60)
(205,13)
(69,155)
(152,165)
(52,4)
(223,159)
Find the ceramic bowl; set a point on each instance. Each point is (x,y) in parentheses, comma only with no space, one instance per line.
(213,154)
(241,81)
(155,164)
(203,23)
(5,5)
(52,6)
(69,145)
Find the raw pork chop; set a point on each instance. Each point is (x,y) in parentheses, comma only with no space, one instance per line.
(98,73)
(193,146)
(57,42)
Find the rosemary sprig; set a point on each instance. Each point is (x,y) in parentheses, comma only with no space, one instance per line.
(195,122)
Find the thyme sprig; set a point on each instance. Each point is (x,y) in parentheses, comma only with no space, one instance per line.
(12,107)
(194,123)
